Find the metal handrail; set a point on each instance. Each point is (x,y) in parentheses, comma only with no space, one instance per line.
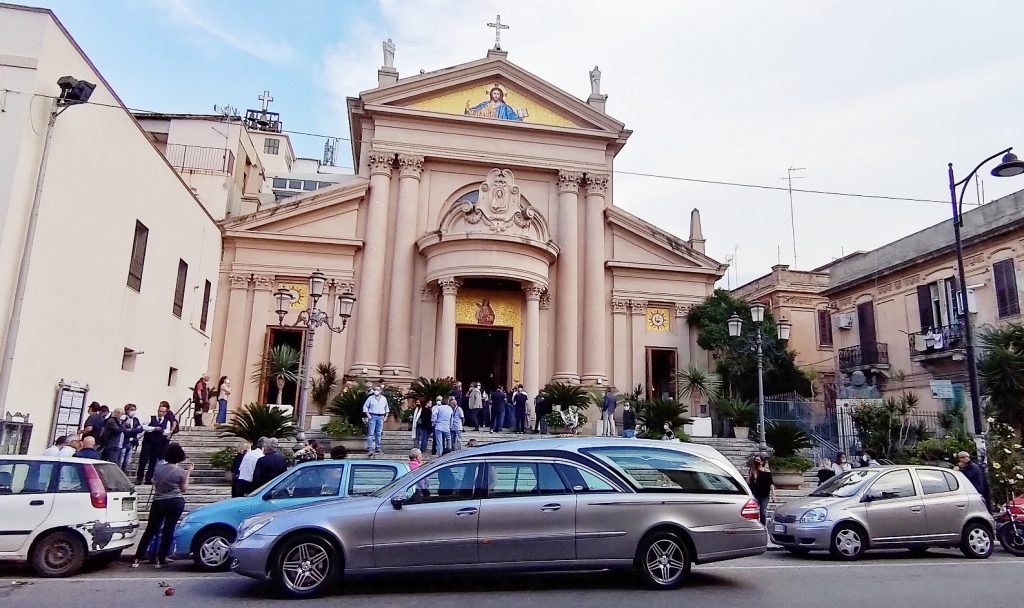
(184,413)
(952,337)
(874,353)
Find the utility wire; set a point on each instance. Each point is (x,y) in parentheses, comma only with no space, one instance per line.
(679,178)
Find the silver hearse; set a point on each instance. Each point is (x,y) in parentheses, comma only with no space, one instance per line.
(543,504)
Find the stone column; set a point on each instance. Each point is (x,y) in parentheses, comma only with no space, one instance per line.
(369,307)
(445,364)
(567,303)
(622,376)
(397,354)
(236,336)
(531,347)
(428,332)
(637,347)
(595,343)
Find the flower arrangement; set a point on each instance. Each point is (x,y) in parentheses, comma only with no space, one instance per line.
(1006,462)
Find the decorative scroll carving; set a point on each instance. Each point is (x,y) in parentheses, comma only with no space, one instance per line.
(620,306)
(499,209)
(638,307)
(499,192)
(597,184)
(449,286)
(545,300)
(410,165)
(381,163)
(342,285)
(240,280)
(264,281)
(569,181)
(428,294)
(682,309)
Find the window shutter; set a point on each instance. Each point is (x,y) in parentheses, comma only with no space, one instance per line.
(179,289)
(1005,279)
(924,306)
(824,328)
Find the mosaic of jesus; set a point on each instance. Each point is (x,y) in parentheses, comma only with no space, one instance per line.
(495,107)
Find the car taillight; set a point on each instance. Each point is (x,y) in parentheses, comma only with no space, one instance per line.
(751,510)
(97,493)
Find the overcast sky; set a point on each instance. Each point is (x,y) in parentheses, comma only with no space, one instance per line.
(871,97)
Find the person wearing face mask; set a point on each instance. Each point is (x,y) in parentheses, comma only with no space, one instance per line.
(375,412)
(131,428)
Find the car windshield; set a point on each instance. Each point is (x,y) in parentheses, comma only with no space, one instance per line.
(847,484)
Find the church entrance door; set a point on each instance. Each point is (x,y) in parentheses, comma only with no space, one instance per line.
(482,355)
(661,373)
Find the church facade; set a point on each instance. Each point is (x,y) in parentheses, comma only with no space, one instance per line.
(482,241)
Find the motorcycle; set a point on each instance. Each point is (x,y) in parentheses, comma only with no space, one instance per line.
(1011,527)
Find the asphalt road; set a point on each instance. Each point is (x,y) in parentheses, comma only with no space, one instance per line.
(940,578)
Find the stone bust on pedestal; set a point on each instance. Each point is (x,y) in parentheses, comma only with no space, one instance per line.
(859,388)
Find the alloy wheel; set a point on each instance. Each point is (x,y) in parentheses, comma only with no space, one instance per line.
(305,567)
(665,561)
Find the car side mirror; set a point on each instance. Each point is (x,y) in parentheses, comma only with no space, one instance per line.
(397,501)
(871,496)
(274,494)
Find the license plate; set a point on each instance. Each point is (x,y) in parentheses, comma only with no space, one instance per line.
(779,529)
(128,504)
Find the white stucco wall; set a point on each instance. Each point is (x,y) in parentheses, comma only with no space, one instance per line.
(102,176)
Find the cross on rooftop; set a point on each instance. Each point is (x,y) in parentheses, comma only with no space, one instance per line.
(266,99)
(498,26)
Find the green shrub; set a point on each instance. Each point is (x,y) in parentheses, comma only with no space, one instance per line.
(739,411)
(348,404)
(652,416)
(339,429)
(224,459)
(790,463)
(787,439)
(257,420)
(1006,462)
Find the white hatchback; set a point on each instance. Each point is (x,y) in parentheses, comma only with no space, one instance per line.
(59,513)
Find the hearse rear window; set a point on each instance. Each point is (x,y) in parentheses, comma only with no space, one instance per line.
(657,470)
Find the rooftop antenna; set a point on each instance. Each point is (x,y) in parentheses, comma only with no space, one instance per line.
(792,216)
(331,151)
(226,110)
(728,275)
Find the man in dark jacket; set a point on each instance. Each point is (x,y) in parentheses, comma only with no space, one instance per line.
(628,421)
(973,473)
(94,422)
(154,441)
(88,449)
(271,465)
(110,437)
(497,410)
(542,407)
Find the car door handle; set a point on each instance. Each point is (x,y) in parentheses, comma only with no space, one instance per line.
(915,509)
(36,503)
(551,507)
(961,505)
(466,511)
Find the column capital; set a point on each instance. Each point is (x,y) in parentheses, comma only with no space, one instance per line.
(428,294)
(342,285)
(381,163)
(545,300)
(620,306)
(683,309)
(533,291)
(410,165)
(449,286)
(264,281)
(569,181)
(597,184)
(638,307)
(239,280)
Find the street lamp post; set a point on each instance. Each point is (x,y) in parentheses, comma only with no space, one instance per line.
(1009,166)
(735,329)
(312,318)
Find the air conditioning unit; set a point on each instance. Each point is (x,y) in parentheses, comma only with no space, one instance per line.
(845,320)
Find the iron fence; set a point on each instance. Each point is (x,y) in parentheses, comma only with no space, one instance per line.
(200,158)
(871,353)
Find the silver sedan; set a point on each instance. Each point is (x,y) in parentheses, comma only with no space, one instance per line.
(544,504)
(915,507)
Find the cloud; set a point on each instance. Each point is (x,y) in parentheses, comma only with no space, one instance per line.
(249,42)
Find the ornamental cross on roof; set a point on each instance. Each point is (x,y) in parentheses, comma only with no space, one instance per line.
(266,99)
(498,26)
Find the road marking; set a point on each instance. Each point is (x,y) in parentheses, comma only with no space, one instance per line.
(860,565)
(184,576)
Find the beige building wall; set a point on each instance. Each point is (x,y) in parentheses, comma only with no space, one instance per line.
(103,175)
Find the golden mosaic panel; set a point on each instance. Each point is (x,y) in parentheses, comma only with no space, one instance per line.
(512,105)
(659,320)
(486,308)
(299,291)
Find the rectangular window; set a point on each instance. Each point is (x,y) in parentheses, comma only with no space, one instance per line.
(824,328)
(936,304)
(271,145)
(206,306)
(128,360)
(1005,276)
(295,184)
(309,186)
(138,260)
(280,182)
(365,479)
(660,470)
(172,376)
(179,289)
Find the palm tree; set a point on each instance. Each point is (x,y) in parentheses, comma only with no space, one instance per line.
(652,416)
(429,389)
(281,364)
(257,420)
(568,396)
(323,385)
(695,383)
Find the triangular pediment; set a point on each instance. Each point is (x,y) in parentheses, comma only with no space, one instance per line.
(464,91)
(639,243)
(327,215)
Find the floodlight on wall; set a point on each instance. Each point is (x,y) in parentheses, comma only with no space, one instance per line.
(74,91)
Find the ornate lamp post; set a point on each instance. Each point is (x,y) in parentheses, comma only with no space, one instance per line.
(735,329)
(1009,166)
(312,318)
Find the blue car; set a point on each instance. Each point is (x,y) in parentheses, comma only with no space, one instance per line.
(206,534)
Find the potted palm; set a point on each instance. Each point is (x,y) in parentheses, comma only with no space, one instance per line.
(788,466)
(741,415)
(427,390)
(257,420)
(568,403)
(321,388)
(281,365)
(653,415)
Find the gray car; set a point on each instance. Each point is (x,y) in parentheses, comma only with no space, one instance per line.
(542,504)
(914,507)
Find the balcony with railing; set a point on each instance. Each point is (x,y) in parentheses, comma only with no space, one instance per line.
(863,356)
(937,343)
(200,159)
